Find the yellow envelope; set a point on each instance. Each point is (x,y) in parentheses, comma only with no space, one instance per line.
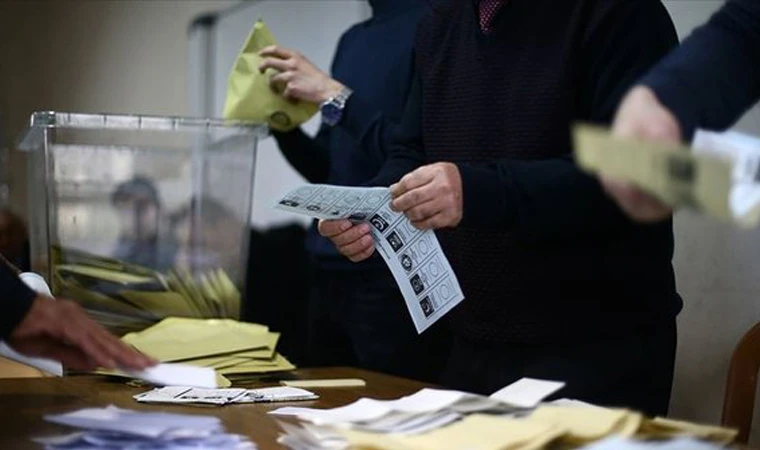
(177,339)
(588,424)
(249,95)
(475,432)
(664,428)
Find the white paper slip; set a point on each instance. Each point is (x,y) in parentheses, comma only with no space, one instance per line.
(276,394)
(137,423)
(415,258)
(527,392)
(183,394)
(177,375)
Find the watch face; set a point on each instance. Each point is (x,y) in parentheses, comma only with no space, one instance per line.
(331,114)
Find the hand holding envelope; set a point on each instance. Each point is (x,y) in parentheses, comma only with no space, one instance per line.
(249,95)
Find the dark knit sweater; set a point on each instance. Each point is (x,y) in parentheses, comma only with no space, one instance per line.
(542,254)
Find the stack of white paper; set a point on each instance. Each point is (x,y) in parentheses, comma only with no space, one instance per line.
(188,395)
(117,429)
(421,412)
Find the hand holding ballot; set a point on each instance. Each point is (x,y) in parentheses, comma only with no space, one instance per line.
(641,116)
(431,196)
(61,330)
(354,241)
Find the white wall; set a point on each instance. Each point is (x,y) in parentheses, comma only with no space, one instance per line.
(92,56)
(717,267)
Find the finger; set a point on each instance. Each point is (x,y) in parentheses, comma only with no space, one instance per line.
(330,228)
(280,80)
(123,356)
(69,356)
(274,51)
(433,223)
(363,255)
(415,197)
(357,248)
(353,234)
(73,358)
(280,65)
(424,211)
(412,180)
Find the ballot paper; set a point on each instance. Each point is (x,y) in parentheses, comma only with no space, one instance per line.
(116,429)
(426,409)
(187,395)
(719,175)
(415,258)
(174,374)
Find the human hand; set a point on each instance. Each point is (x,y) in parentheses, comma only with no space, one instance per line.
(431,196)
(61,330)
(642,116)
(298,79)
(354,241)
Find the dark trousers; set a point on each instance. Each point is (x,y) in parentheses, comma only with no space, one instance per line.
(358,318)
(633,371)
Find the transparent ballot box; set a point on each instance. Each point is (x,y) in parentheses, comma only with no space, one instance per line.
(138,217)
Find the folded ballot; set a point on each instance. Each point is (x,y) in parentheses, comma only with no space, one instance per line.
(126,297)
(116,429)
(719,175)
(186,395)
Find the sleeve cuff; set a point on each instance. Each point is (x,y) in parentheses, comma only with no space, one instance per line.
(677,98)
(485,200)
(16,300)
(358,114)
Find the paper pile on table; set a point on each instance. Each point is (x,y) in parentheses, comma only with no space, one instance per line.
(116,429)
(441,420)
(186,395)
(423,411)
(719,175)
(237,351)
(126,297)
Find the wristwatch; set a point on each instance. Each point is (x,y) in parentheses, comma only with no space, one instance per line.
(332,108)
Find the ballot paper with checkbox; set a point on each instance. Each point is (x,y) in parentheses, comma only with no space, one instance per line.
(415,258)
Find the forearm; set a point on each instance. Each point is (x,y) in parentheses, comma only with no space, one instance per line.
(368,125)
(406,149)
(714,77)
(306,154)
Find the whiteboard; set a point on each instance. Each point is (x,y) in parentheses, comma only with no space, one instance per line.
(309,26)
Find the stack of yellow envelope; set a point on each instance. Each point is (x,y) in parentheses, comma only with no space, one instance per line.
(236,350)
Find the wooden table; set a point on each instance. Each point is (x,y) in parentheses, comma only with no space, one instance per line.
(23,403)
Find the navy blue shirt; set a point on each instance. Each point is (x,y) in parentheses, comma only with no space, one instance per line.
(15,300)
(714,77)
(375,59)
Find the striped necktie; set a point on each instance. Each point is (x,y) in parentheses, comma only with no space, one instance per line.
(488,10)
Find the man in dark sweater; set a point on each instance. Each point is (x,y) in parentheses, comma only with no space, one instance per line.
(357,312)
(710,81)
(558,283)
(35,325)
